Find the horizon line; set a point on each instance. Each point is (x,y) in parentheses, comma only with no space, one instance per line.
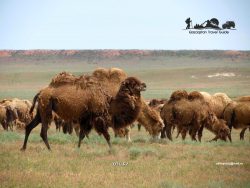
(103,49)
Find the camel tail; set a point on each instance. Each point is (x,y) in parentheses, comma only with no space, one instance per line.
(34,102)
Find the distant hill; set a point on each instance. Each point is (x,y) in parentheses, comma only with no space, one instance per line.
(91,55)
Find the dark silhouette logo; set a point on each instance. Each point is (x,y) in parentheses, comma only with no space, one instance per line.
(210,24)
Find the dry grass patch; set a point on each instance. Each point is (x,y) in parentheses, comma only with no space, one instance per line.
(148,164)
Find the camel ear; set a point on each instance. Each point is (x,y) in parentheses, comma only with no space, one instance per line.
(126,82)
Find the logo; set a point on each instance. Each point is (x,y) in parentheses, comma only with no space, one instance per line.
(211,26)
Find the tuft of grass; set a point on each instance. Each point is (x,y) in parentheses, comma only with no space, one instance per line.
(61,138)
(242,184)
(120,141)
(140,140)
(219,184)
(35,138)
(94,139)
(90,152)
(116,141)
(135,152)
(9,136)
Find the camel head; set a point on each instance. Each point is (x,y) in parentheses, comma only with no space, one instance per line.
(132,85)
(224,131)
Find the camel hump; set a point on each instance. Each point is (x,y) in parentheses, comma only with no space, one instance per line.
(62,78)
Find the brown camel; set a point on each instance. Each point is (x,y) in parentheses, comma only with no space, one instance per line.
(86,101)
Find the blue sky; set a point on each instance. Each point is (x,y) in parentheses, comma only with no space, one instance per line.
(113,24)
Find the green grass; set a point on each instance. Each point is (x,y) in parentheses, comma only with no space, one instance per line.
(170,184)
(162,75)
(135,152)
(10,137)
(150,164)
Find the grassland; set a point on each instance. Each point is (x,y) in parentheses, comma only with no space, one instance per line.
(147,163)
(23,76)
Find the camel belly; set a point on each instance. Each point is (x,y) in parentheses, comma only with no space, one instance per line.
(68,102)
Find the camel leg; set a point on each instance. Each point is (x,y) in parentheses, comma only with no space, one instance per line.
(81,136)
(169,133)
(128,134)
(242,133)
(178,133)
(192,133)
(183,134)
(29,128)
(59,127)
(70,127)
(64,128)
(139,126)
(229,137)
(173,127)
(214,139)
(7,127)
(179,130)
(4,125)
(107,137)
(11,126)
(200,133)
(43,134)
(76,128)
(102,128)
(163,132)
(85,128)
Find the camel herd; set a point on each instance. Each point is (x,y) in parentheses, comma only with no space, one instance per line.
(108,98)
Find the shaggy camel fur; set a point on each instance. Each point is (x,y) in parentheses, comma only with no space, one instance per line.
(219,128)
(157,103)
(110,79)
(87,102)
(7,116)
(149,117)
(207,119)
(243,99)
(193,113)
(58,121)
(217,102)
(67,126)
(3,117)
(237,115)
(22,107)
(189,116)
(166,113)
(242,133)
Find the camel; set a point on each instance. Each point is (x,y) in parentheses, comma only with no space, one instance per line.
(86,101)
